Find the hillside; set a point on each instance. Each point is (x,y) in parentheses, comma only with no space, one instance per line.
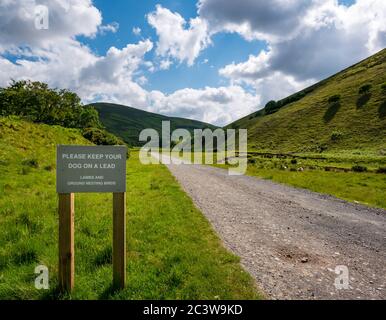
(315,121)
(127,122)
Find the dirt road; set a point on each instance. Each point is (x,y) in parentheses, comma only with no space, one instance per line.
(291,240)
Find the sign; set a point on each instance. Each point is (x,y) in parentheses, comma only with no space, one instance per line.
(90,169)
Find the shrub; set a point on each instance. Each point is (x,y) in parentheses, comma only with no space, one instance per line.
(101,137)
(365,88)
(294,161)
(381,170)
(334,99)
(383,87)
(358,168)
(271,107)
(336,135)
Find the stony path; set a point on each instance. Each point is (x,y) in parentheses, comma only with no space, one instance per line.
(291,240)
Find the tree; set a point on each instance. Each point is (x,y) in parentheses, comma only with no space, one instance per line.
(36,102)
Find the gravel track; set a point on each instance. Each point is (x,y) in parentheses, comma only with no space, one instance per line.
(291,240)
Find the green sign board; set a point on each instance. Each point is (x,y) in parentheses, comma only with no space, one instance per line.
(90,169)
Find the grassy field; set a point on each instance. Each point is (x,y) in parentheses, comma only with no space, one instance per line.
(173,253)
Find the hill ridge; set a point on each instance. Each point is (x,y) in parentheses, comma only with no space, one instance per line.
(127,122)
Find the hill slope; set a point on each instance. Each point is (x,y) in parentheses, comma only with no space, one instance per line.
(313,124)
(127,122)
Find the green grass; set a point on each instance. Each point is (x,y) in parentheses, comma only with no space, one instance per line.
(173,253)
(127,123)
(365,188)
(330,174)
(312,124)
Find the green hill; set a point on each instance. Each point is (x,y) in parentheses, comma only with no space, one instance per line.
(127,122)
(313,120)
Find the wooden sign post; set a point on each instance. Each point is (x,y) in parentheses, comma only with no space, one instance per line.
(66,241)
(119,240)
(90,169)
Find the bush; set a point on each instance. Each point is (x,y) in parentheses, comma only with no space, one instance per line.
(365,89)
(334,99)
(336,135)
(271,107)
(358,168)
(381,170)
(104,138)
(101,137)
(383,87)
(294,161)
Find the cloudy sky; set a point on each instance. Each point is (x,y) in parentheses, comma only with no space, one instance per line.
(210,60)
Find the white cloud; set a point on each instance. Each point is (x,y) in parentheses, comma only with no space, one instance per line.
(165,64)
(254,68)
(117,63)
(142,80)
(176,39)
(214,105)
(137,31)
(111,27)
(255,19)
(66,20)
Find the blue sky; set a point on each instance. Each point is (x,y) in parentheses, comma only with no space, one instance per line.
(209,60)
(132,14)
